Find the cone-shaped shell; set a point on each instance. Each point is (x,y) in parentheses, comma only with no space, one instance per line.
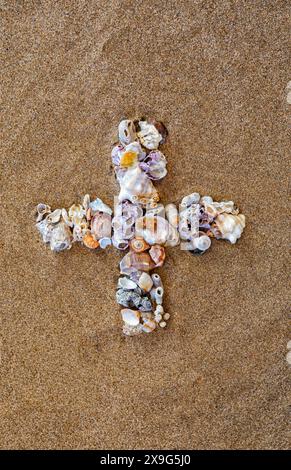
(230,226)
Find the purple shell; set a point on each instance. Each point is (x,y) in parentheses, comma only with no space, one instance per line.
(154,165)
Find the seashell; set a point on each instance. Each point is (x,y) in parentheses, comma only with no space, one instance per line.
(158,210)
(149,136)
(123,227)
(135,275)
(215,208)
(158,317)
(190,199)
(101,225)
(130,317)
(116,154)
(90,242)
(86,202)
(104,242)
(126,131)
(42,210)
(155,165)
(45,229)
(153,229)
(76,213)
(163,324)
(79,231)
(128,298)
(159,309)
(61,237)
(128,210)
(148,326)
(54,217)
(173,237)
(145,304)
(206,200)
(201,243)
(161,128)
(139,245)
(230,226)
(166,316)
(157,253)
(172,215)
(119,243)
(98,206)
(157,280)
(189,222)
(66,218)
(145,282)
(136,262)
(157,294)
(137,187)
(126,283)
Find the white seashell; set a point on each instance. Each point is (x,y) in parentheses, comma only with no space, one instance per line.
(149,326)
(79,231)
(172,215)
(104,242)
(173,237)
(98,206)
(166,316)
(45,229)
(230,226)
(42,210)
(137,187)
(215,208)
(130,317)
(76,214)
(145,282)
(206,200)
(159,309)
(125,283)
(86,202)
(190,199)
(153,229)
(157,294)
(66,218)
(148,135)
(54,217)
(157,280)
(61,237)
(202,243)
(163,324)
(126,131)
(158,317)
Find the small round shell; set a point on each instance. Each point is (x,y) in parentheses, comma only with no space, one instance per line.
(139,245)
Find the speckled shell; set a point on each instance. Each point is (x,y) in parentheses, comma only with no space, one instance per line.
(230,226)
(126,131)
(101,225)
(157,253)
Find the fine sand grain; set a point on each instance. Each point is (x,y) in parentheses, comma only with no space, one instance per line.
(216,73)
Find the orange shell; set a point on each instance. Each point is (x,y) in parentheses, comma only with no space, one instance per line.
(90,241)
(139,245)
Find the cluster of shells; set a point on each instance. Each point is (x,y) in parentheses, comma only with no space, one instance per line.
(141,224)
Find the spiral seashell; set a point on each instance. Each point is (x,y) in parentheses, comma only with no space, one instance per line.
(90,242)
(201,243)
(61,237)
(139,245)
(158,255)
(126,131)
(42,210)
(137,187)
(230,226)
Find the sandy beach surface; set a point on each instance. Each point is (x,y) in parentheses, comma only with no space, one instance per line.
(215,72)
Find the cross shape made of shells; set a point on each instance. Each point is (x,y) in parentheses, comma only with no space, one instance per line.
(140,224)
